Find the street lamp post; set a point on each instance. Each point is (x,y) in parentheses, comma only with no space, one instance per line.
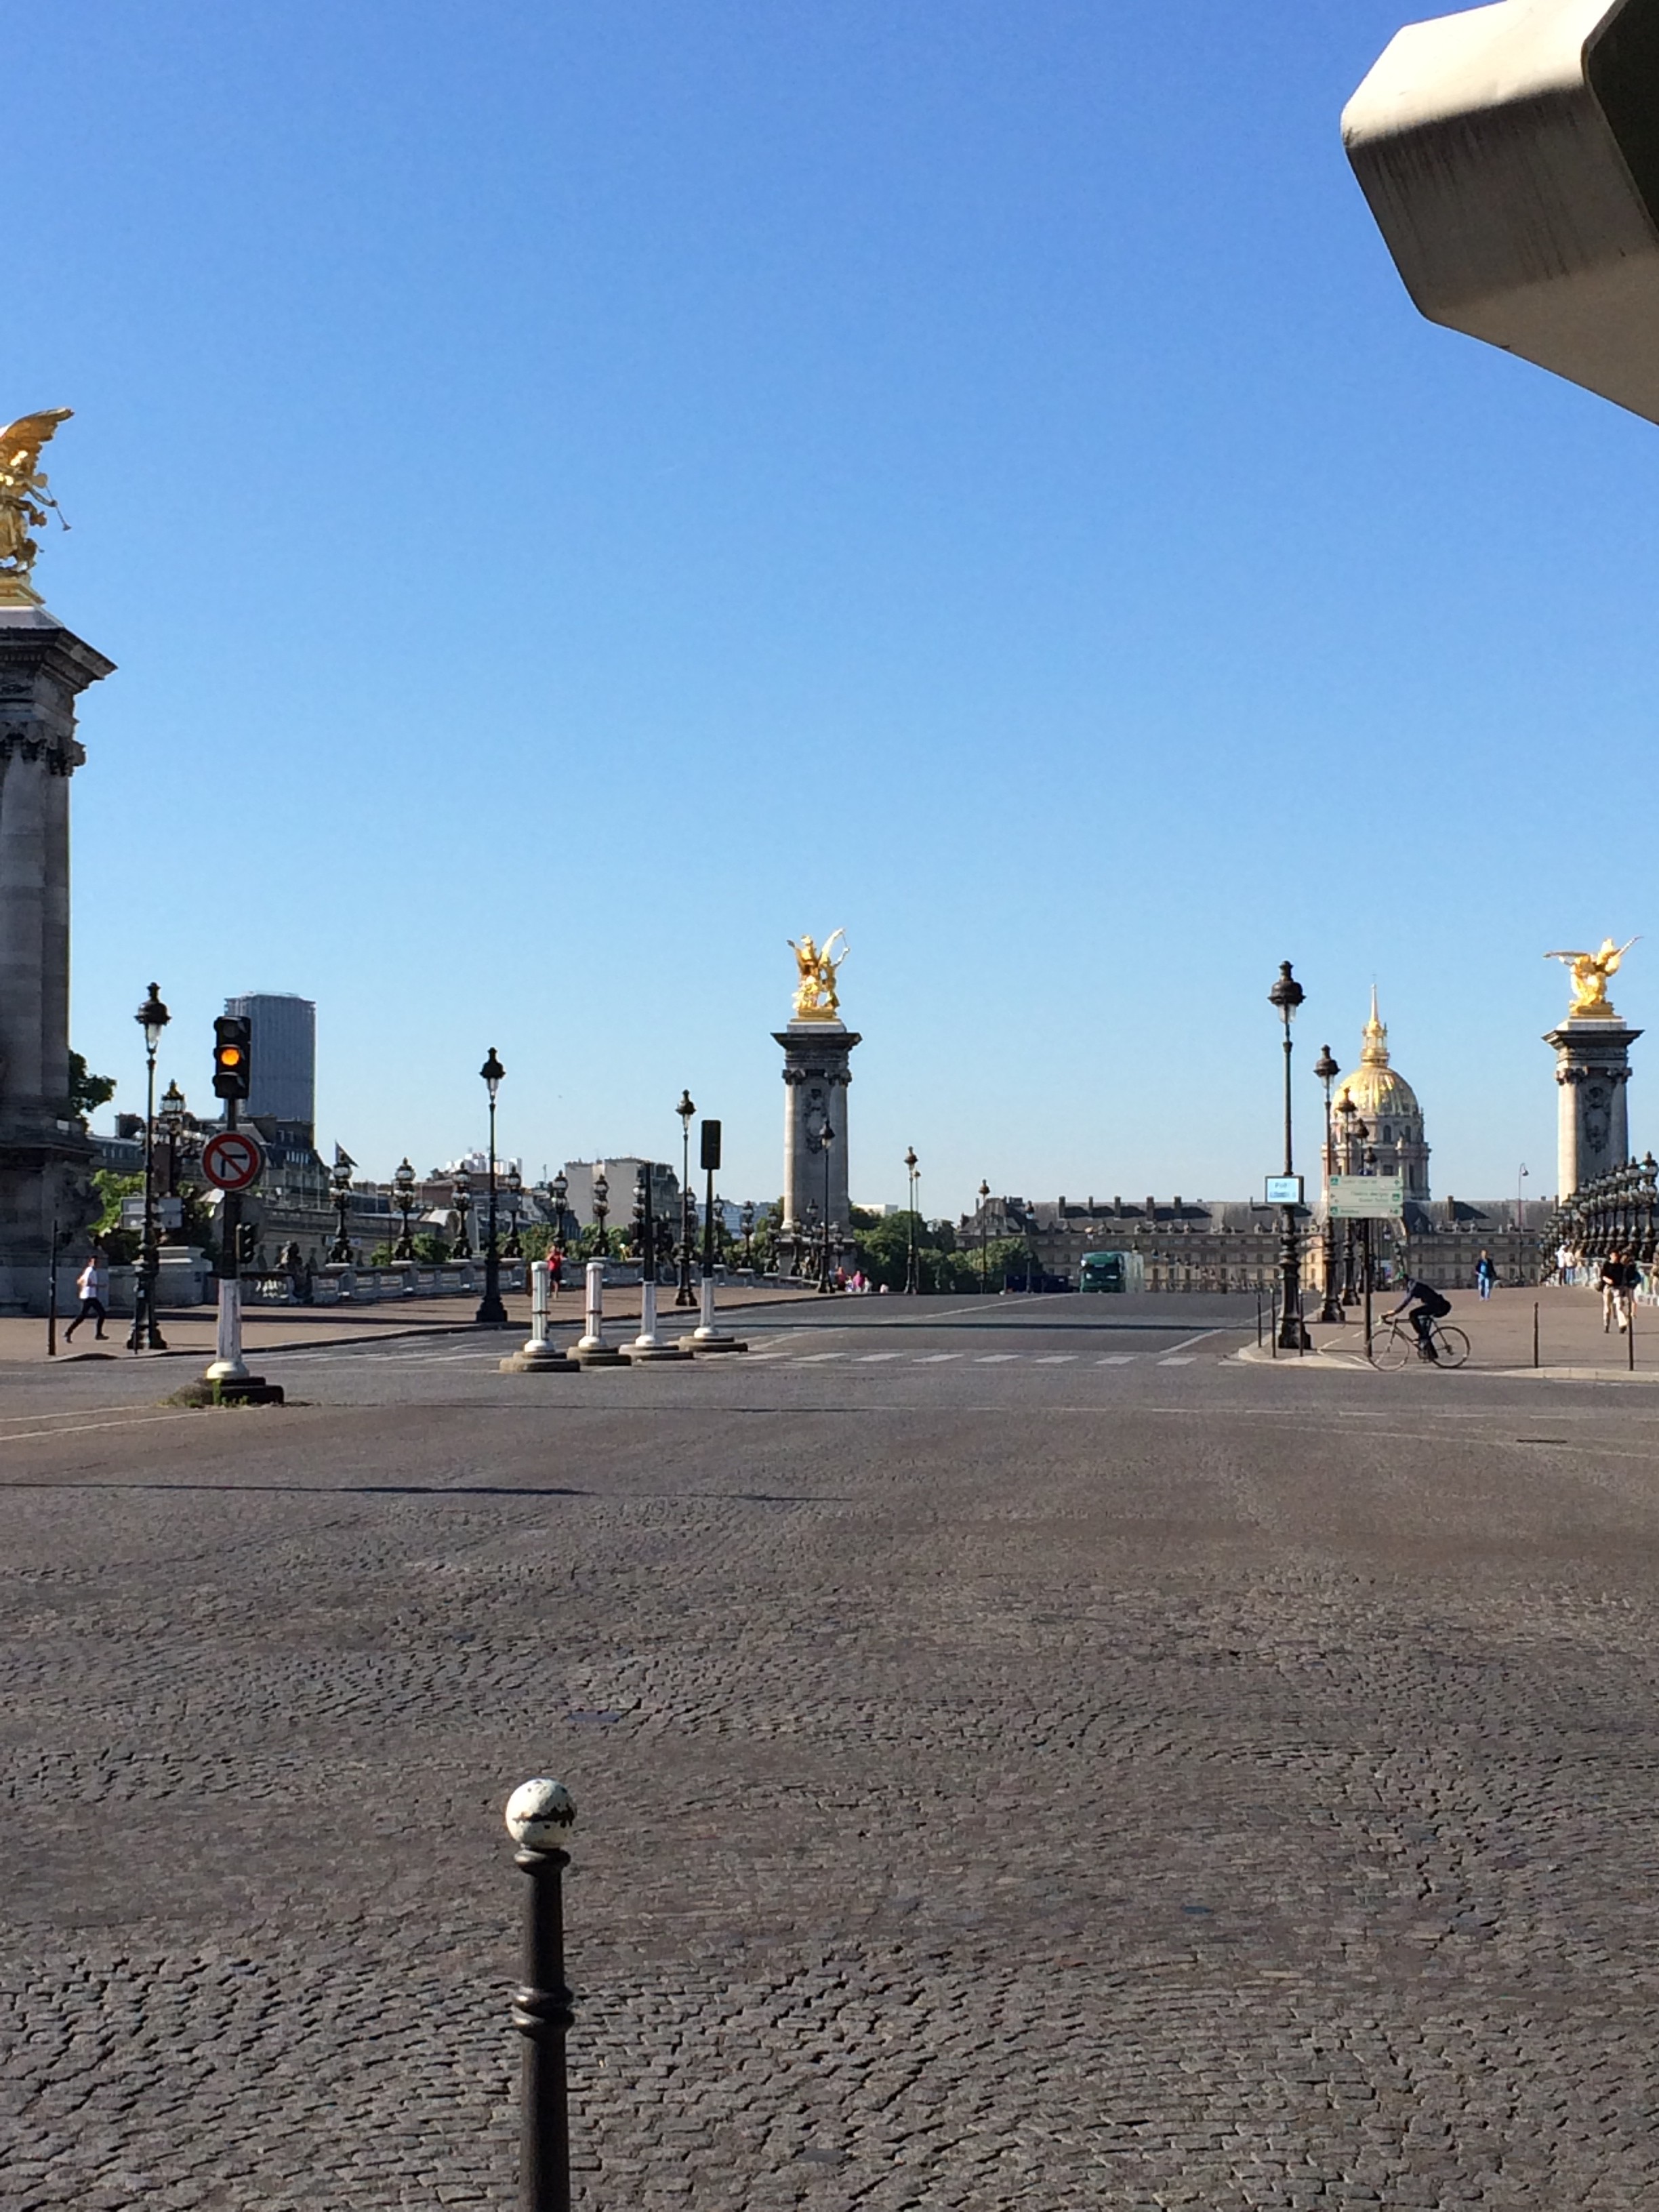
(912,1255)
(1520,1223)
(1287,995)
(685,1295)
(826,1140)
(404,1198)
(984,1235)
(601,1207)
(152,1018)
(1331,1307)
(559,1190)
(512,1249)
(491,1313)
(746,1223)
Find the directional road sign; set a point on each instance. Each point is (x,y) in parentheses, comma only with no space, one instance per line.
(232,1160)
(1360,1198)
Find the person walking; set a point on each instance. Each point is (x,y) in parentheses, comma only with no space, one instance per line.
(1619,1281)
(1486,1275)
(92,1287)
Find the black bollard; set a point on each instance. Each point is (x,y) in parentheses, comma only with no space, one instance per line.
(540,1816)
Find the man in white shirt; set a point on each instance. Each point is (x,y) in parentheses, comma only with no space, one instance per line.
(92,1285)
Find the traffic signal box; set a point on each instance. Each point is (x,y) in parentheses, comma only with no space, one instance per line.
(233,1035)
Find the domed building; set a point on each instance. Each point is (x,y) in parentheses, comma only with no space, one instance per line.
(1387,1106)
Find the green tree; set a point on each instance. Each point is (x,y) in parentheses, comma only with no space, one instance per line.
(120,1245)
(86,1092)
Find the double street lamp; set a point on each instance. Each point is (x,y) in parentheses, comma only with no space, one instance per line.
(462,1200)
(491,1313)
(1287,995)
(172,1121)
(145,1335)
(339,1253)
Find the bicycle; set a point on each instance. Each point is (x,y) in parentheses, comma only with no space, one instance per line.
(1394,1340)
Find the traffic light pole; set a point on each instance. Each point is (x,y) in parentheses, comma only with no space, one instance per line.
(228,1365)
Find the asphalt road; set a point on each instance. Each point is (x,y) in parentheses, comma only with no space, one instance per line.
(1023,1756)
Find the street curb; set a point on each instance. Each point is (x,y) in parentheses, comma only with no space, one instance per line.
(1333,1363)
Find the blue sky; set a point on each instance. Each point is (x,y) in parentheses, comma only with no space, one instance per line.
(580,494)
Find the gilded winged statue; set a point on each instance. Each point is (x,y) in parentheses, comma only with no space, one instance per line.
(25,498)
(816,997)
(1589,972)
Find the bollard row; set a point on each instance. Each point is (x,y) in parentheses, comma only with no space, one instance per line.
(539,1356)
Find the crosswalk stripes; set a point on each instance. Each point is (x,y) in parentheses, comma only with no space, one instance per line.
(789,1350)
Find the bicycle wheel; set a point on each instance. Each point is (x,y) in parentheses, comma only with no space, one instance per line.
(1452,1345)
(1391,1348)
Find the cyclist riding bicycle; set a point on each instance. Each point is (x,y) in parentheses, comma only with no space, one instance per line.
(1425,1306)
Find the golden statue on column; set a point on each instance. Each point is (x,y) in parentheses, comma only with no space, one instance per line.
(816,996)
(1589,972)
(25,502)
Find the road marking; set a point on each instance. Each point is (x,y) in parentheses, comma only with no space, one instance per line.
(1055,1359)
(1117,1360)
(812,1359)
(1186,1340)
(995,1358)
(936,1358)
(143,1421)
(1186,1362)
(869,1358)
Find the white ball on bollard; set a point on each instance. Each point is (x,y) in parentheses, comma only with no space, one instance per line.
(540,1816)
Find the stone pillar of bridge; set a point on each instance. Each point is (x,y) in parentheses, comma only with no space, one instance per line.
(46,1156)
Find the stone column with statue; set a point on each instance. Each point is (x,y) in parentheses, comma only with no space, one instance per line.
(46,1156)
(817,1049)
(1592,1067)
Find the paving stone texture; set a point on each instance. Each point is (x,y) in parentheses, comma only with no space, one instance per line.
(1000,1786)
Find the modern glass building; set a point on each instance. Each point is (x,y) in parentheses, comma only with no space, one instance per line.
(283,1049)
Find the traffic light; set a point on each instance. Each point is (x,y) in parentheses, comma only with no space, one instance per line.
(233,1035)
(711,1144)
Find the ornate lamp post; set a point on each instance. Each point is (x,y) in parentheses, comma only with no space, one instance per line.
(491,1313)
(685,1296)
(1286,995)
(172,1121)
(826,1141)
(152,1018)
(984,1235)
(512,1249)
(339,1252)
(601,1207)
(808,1239)
(912,1256)
(463,1201)
(1346,1114)
(559,1190)
(1331,1309)
(404,1198)
(746,1223)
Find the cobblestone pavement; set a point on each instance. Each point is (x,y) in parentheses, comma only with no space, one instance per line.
(1067,1785)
